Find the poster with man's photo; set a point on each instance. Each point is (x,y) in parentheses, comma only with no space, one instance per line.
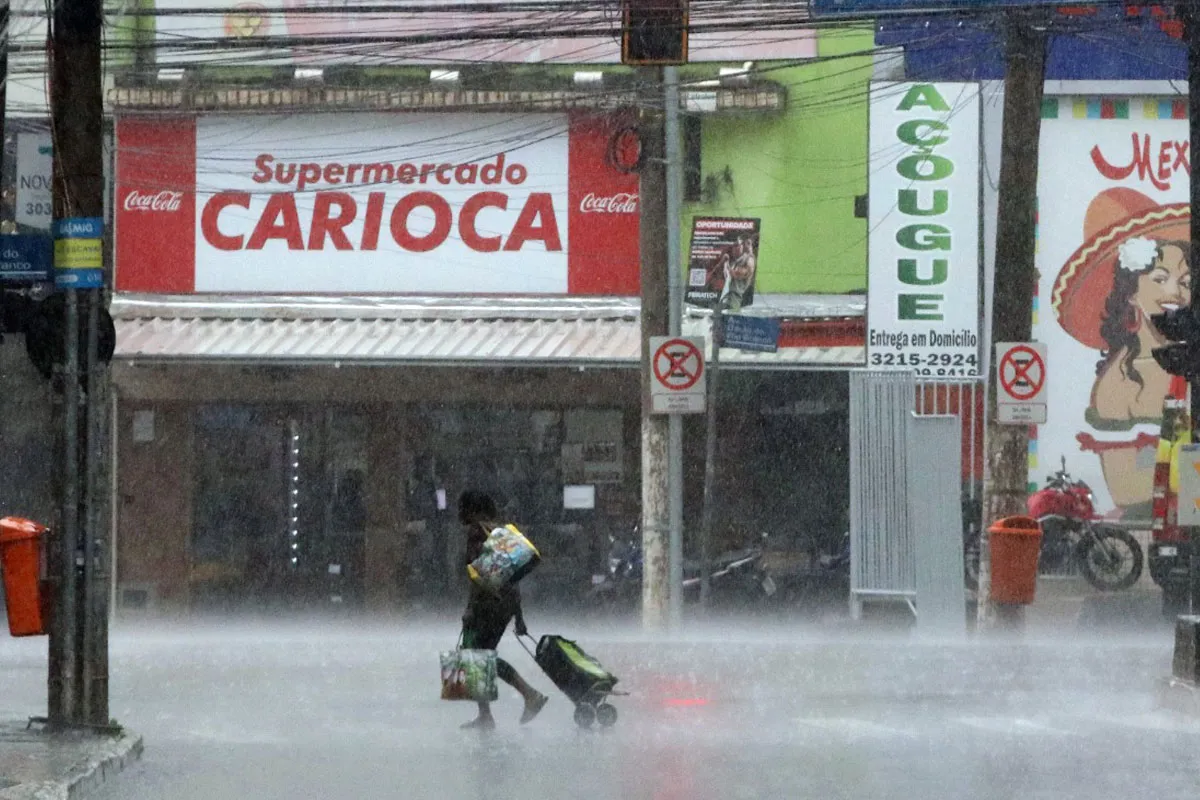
(723,262)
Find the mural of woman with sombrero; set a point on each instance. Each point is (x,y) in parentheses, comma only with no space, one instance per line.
(1135,262)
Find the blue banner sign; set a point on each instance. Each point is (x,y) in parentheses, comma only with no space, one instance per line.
(25,258)
(868,8)
(79,253)
(760,334)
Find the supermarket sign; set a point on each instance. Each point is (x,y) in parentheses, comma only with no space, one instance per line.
(374,203)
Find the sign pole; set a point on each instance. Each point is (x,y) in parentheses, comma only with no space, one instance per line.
(674,176)
(710,453)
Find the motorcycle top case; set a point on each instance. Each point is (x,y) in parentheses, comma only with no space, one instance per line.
(506,558)
(571,669)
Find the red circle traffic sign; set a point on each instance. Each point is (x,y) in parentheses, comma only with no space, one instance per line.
(1022,373)
(678,364)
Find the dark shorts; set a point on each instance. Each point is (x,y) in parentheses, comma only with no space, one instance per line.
(484,632)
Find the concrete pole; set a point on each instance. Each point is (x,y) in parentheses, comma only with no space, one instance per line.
(652,204)
(675,327)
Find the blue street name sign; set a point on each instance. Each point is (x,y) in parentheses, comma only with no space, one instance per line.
(25,258)
(760,334)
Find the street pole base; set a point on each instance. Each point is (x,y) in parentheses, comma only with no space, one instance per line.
(1173,694)
(58,726)
(1008,618)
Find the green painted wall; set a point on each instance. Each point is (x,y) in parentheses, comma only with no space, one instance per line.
(800,172)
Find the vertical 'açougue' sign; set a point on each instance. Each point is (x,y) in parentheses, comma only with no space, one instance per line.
(923,303)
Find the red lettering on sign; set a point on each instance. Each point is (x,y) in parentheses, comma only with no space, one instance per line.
(323,223)
(443,219)
(333,212)
(209,219)
(466,221)
(539,206)
(1172,157)
(279,221)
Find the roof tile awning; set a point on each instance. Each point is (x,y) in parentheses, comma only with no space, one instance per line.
(511,331)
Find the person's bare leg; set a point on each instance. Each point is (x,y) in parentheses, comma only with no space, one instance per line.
(534,700)
(485,721)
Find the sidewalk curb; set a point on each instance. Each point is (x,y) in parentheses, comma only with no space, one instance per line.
(83,780)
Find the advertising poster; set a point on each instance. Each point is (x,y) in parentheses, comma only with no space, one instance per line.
(1113,250)
(374,203)
(723,262)
(35,166)
(924,219)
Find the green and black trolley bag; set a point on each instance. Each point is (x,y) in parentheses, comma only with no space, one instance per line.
(582,678)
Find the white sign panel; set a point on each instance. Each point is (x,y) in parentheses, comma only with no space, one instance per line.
(1113,228)
(678,375)
(1021,382)
(521,235)
(35,167)
(579,497)
(1189,485)
(924,220)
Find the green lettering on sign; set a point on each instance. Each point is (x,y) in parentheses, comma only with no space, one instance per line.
(909,203)
(910,132)
(924,237)
(923,94)
(920,307)
(907,272)
(925,167)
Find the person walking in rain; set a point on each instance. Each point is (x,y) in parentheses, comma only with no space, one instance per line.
(487,615)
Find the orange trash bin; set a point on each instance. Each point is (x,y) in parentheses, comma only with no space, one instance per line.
(1016,546)
(21,542)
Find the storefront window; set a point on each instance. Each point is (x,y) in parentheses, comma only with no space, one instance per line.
(280,510)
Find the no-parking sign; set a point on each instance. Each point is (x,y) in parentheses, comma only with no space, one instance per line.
(1021,383)
(677,374)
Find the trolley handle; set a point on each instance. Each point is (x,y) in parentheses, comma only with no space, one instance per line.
(522,639)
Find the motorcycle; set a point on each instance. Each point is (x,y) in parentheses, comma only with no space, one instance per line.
(1109,559)
(737,574)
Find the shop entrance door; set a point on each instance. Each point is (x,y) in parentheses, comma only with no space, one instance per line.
(237,547)
(280,508)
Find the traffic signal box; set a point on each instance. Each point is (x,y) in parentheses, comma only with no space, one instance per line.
(654,32)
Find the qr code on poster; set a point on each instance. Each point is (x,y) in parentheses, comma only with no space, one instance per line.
(697,277)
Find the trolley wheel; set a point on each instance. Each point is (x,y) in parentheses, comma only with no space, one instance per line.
(585,715)
(606,715)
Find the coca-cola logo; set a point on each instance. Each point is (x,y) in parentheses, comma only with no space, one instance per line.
(158,201)
(620,203)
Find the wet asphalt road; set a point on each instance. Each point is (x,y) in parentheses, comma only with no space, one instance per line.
(316,709)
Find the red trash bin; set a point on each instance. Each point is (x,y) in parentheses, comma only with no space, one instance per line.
(21,543)
(1016,546)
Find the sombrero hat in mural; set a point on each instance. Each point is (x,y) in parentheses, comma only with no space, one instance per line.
(1086,280)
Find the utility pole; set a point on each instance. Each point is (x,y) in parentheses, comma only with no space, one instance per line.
(653,238)
(1016,277)
(4,26)
(78,680)
(674,198)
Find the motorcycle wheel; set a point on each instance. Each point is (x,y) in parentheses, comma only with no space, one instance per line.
(1111,560)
